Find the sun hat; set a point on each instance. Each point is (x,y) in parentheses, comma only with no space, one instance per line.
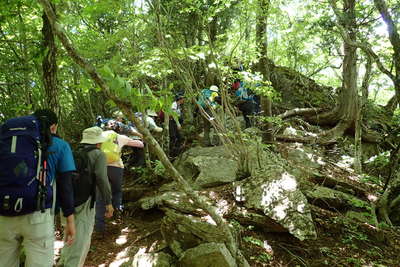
(151,113)
(214,88)
(118,113)
(179,96)
(93,135)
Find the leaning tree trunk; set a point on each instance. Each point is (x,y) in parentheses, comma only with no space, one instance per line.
(126,106)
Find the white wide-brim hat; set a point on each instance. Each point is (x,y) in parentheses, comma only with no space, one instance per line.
(93,135)
(214,88)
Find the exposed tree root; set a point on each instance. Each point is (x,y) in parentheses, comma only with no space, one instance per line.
(324,138)
(305,126)
(327,137)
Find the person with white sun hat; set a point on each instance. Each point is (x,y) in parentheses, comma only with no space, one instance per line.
(91,162)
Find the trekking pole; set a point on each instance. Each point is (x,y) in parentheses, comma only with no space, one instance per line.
(42,187)
(42,192)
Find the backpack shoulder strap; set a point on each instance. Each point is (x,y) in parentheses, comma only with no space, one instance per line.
(87,149)
(83,151)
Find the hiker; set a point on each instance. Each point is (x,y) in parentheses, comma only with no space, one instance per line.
(175,126)
(128,129)
(27,220)
(115,171)
(246,101)
(150,122)
(117,124)
(91,166)
(137,156)
(208,100)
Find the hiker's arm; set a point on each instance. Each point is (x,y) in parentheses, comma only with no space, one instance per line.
(102,183)
(135,132)
(176,118)
(135,143)
(126,141)
(70,230)
(65,193)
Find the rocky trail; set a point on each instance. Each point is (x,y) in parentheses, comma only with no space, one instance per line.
(303,207)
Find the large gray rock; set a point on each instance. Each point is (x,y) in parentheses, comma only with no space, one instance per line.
(171,199)
(207,166)
(276,193)
(331,199)
(182,232)
(245,217)
(303,156)
(135,192)
(207,254)
(161,259)
(270,189)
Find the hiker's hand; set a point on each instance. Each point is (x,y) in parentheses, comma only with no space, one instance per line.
(70,231)
(109,211)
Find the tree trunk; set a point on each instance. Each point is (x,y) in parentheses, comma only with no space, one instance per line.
(50,66)
(345,113)
(391,104)
(262,44)
(348,96)
(358,125)
(343,116)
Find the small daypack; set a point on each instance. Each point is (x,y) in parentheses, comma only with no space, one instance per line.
(111,147)
(24,184)
(83,179)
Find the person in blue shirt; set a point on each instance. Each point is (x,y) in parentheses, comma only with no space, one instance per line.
(208,100)
(34,232)
(246,102)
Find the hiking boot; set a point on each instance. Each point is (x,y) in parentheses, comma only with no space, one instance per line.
(118,214)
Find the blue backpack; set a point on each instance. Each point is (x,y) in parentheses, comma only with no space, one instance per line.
(204,98)
(24,185)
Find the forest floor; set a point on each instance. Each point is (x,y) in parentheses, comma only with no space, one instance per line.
(341,241)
